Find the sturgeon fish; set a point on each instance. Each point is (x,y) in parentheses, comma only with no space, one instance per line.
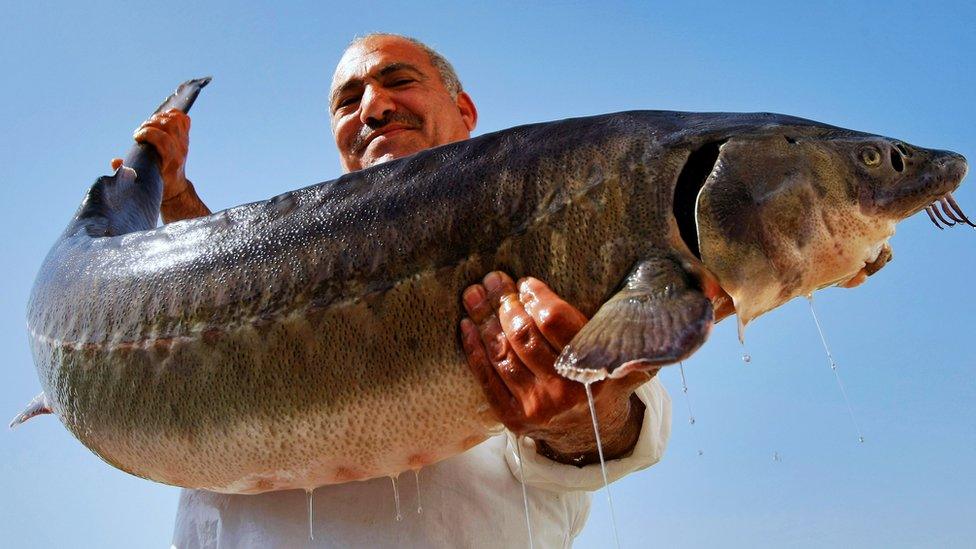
(312,338)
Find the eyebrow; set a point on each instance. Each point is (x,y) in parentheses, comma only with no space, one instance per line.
(384,71)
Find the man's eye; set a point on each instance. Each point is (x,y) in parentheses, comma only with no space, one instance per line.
(346,102)
(401,81)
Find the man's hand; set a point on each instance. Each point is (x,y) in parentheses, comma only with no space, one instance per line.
(512,339)
(169,133)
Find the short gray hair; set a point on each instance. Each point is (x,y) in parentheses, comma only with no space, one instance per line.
(448,76)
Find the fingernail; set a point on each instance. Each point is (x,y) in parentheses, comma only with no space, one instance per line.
(473,296)
(466,327)
(493,282)
(525,294)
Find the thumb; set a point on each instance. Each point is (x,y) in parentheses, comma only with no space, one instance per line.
(630,382)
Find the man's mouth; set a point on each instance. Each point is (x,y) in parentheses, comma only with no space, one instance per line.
(386,131)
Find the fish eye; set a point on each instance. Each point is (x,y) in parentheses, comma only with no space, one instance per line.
(871,156)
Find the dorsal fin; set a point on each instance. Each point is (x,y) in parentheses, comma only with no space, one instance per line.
(40,405)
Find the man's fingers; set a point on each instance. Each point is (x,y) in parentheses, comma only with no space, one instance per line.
(557,320)
(481,305)
(482,300)
(173,123)
(525,338)
(498,285)
(496,391)
(116,163)
(179,118)
(174,117)
(166,145)
(475,300)
(517,377)
(633,380)
(154,136)
(622,386)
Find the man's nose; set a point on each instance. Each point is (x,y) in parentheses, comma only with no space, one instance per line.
(375,106)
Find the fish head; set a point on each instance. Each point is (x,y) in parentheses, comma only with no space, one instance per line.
(787,210)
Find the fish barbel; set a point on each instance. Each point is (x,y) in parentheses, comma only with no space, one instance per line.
(312,338)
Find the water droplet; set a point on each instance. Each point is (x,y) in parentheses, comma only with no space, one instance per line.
(684,389)
(833,368)
(525,494)
(776,456)
(603,466)
(701,453)
(311,530)
(416,477)
(396,499)
(746,358)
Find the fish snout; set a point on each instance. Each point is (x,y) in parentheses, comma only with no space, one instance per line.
(956,166)
(904,180)
(945,209)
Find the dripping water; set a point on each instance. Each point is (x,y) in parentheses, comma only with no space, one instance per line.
(416,477)
(525,494)
(684,389)
(396,499)
(776,457)
(311,530)
(603,466)
(833,367)
(746,357)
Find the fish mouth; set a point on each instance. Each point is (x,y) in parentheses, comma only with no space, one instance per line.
(948,211)
(881,258)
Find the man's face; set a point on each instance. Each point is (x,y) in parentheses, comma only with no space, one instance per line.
(388,101)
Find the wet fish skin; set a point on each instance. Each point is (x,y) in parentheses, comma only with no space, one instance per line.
(790,212)
(312,338)
(232,352)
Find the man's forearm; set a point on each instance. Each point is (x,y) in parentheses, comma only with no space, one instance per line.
(185,205)
(617,441)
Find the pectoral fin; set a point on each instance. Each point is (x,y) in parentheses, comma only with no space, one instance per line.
(40,405)
(659,317)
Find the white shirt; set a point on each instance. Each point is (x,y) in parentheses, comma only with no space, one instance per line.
(471,500)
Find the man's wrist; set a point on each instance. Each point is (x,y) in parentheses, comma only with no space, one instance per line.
(618,439)
(184,205)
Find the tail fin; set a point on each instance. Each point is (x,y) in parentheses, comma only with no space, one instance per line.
(129,200)
(40,405)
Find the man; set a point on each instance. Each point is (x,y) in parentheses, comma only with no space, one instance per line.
(391,97)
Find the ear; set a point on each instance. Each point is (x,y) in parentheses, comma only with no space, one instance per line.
(469,113)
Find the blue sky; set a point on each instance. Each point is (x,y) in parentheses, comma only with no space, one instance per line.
(79,79)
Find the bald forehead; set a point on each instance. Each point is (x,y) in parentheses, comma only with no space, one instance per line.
(366,56)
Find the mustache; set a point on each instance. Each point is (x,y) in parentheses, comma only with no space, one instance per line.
(362,138)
